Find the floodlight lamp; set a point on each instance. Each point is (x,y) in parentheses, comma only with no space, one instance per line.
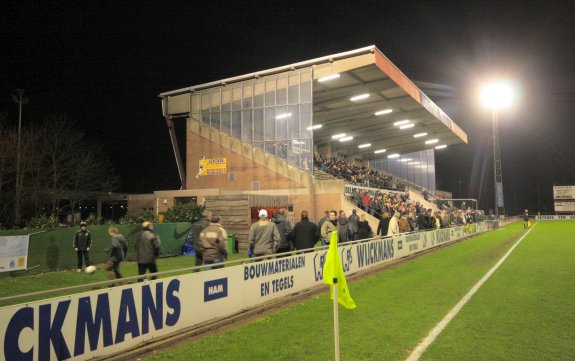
(314,127)
(359,97)
(401,122)
(407,126)
(497,95)
(441,146)
(337,136)
(383,112)
(366,145)
(394,155)
(328,77)
(283,116)
(431,141)
(419,135)
(346,139)
(380,151)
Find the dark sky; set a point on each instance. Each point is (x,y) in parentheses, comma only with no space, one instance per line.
(103,66)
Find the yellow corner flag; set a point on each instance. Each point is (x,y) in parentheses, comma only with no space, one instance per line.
(332,269)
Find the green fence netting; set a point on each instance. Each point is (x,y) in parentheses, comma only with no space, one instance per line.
(52,250)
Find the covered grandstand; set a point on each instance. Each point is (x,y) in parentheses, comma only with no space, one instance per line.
(251,139)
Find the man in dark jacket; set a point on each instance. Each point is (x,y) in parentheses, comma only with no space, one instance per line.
(354,224)
(82,244)
(383,225)
(118,249)
(213,243)
(284,227)
(344,230)
(148,249)
(304,233)
(194,235)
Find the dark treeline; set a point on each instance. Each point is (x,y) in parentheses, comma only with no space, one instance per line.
(59,166)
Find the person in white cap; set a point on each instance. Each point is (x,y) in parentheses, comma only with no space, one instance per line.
(264,236)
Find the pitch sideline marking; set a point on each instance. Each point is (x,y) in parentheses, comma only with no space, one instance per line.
(423,345)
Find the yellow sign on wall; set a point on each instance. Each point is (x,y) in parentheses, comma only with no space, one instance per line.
(212,166)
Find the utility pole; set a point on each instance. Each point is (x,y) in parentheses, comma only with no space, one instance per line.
(20,100)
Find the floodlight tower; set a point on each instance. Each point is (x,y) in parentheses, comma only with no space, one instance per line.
(497,96)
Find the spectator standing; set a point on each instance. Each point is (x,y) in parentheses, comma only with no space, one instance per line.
(213,242)
(323,220)
(354,224)
(264,237)
(404,226)
(365,201)
(344,229)
(526,219)
(383,225)
(305,233)
(394,225)
(118,251)
(284,227)
(194,235)
(82,244)
(329,226)
(421,221)
(364,228)
(148,249)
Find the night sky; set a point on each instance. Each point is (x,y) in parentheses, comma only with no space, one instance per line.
(103,67)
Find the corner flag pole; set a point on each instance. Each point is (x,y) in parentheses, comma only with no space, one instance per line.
(335,319)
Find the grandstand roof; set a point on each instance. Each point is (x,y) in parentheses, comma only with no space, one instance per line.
(365,71)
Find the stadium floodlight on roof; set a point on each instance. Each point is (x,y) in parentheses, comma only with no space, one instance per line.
(406,159)
(431,141)
(329,77)
(283,116)
(337,136)
(419,135)
(401,122)
(366,145)
(314,127)
(359,97)
(441,146)
(383,112)
(407,126)
(380,151)
(346,139)
(394,155)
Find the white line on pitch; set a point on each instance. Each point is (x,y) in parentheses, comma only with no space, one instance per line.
(418,351)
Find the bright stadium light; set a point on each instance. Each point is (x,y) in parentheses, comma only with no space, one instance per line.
(443,146)
(359,97)
(431,141)
(407,126)
(496,96)
(346,139)
(337,136)
(419,135)
(314,127)
(401,122)
(283,116)
(394,155)
(383,112)
(328,77)
(379,151)
(366,145)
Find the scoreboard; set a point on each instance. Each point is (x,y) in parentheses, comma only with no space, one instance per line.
(564,199)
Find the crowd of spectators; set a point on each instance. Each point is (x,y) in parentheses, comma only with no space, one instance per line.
(362,176)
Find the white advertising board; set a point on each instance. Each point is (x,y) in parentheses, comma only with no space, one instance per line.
(13,253)
(565,206)
(111,320)
(555,218)
(564,192)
